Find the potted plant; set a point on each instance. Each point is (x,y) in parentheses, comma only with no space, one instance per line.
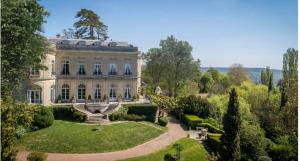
(58,100)
(120,98)
(72,99)
(89,98)
(104,98)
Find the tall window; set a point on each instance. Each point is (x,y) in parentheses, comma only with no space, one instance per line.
(97,69)
(81,91)
(65,92)
(52,93)
(65,68)
(112,94)
(81,70)
(112,69)
(97,94)
(34,95)
(127,93)
(128,69)
(34,71)
(52,67)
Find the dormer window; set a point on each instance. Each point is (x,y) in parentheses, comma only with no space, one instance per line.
(81,70)
(65,68)
(128,69)
(97,69)
(112,69)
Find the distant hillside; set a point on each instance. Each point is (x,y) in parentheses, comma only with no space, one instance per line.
(254,73)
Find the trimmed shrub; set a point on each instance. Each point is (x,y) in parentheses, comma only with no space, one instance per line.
(37,156)
(148,110)
(42,117)
(79,116)
(63,112)
(210,128)
(191,120)
(163,121)
(134,117)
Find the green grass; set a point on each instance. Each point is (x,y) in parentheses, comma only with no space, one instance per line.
(192,151)
(70,137)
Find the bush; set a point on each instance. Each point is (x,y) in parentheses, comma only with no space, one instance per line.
(163,121)
(37,156)
(79,116)
(148,110)
(42,117)
(196,106)
(118,115)
(134,117)
(191,120)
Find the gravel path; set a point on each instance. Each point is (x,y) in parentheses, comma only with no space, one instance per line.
(174,133)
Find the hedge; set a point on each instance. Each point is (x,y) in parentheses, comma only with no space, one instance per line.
(148,110)
(134,117)
(210,128)
(68,113)
(214,142)
(191,120)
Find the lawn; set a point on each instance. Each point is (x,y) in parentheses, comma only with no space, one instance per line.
(70,137)
(192,151)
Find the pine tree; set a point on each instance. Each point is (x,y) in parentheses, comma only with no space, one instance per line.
(271,83)
(232,126)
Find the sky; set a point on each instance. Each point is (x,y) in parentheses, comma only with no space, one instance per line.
(254,33)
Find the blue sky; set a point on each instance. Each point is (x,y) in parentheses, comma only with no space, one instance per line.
(254,33)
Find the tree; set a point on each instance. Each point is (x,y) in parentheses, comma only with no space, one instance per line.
(22,45)
(266,75)
(206,82)
(271,83)
(69,33)
(238,74)
(180,65)
(89,25)
(289,89)
(232,127)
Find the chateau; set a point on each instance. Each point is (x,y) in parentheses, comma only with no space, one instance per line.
(79,70)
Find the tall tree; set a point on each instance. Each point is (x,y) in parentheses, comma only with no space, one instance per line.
(265,76)
(271,83)
(180,65)
(237,74)
(89,25)
(289,89)
(232,126)
(22,45)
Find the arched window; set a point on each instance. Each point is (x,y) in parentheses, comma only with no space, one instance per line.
(65,69)
(65,92)
(81,91)
(128,69)
(97,94)
(127,94)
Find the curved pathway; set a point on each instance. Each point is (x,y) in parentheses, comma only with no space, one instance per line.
(174,133)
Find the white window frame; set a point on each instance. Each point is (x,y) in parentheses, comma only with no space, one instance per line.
(81,92)
(112,94)
(112,69)
(97,69)
(65,92)
(128,69)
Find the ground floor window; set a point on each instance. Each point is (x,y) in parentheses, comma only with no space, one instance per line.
(112,94)
(65,92)
(34,96)
(127,94)
(81,91)
(97,92)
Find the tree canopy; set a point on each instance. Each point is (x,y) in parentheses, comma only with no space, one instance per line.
(89,25)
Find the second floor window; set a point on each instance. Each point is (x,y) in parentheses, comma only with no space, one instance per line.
(97,69)
(81,70)
(128,69)
(112,69)
(52,67)
(65,68)
(34,71)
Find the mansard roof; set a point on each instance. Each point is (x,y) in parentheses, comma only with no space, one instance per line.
(95,45)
